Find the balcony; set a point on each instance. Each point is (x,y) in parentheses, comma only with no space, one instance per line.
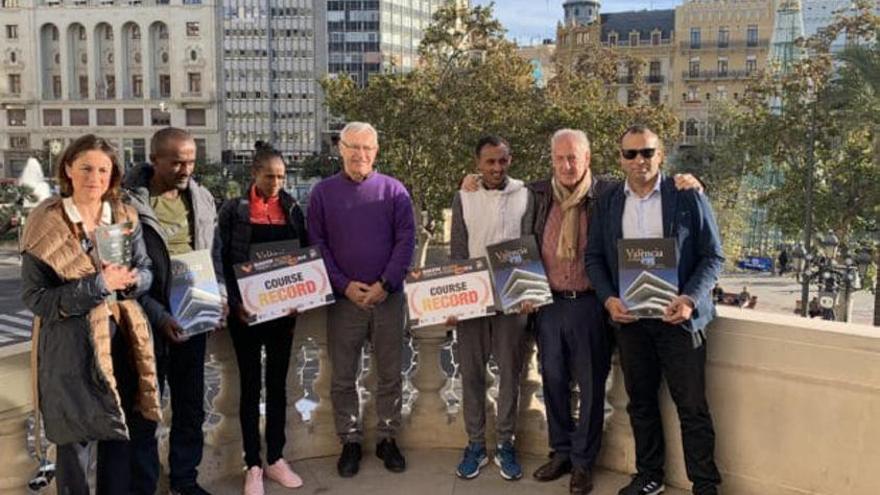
(628,79)
(730,45)
(691,75)
(793,401)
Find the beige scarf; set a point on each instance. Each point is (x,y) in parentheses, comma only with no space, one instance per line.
(51,238)
(568,200)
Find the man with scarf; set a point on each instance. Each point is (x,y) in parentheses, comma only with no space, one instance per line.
(493,212)
(574,343)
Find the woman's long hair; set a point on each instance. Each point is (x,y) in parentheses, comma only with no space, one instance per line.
(89,142)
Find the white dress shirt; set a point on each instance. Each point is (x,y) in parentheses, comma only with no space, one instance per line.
(643,217)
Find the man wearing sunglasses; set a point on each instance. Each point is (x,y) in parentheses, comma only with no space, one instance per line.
(572,338)
(648,205)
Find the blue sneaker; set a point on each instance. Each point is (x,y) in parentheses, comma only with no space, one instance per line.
(473,459)
(505,458)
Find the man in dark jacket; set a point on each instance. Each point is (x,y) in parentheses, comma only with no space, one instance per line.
(573,340)
(178,216)
(648,206)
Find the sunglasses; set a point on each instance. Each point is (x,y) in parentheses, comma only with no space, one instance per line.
(647,153)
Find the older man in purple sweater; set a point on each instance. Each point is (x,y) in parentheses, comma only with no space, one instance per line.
(363,223)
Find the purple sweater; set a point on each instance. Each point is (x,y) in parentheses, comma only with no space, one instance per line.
(365,231)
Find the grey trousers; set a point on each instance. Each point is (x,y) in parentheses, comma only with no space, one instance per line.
(348,329)
(504,338)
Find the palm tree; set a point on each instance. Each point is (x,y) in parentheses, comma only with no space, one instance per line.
(856,93)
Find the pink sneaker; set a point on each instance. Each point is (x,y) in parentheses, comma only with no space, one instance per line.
(281,473)
(253,481)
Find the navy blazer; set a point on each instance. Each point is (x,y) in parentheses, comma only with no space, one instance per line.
(688,218)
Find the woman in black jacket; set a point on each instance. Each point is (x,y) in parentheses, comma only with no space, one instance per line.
(265,213)
(95,368)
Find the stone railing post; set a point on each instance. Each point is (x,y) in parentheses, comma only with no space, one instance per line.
(317,438)
(531,424)
(223,452)
(430,425)
(15,406)
(618,447)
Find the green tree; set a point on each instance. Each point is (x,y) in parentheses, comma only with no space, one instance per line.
(470,83)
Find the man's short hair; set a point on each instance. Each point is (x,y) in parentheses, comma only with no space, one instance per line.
(636,129)
(490,140)
(163,136)
(356,127)
(577,135)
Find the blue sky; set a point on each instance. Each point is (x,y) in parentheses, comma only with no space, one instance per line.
(528,21)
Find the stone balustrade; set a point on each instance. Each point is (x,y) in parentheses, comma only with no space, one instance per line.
(795,404)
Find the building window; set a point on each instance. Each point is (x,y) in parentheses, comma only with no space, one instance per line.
(721,93)
(56,87)
(654,75)
(19,142)
(201,150)
(111,86)
(195,117)
(751,65)
(134,151)
(137,86)
(633,39)
(691,129)
(82,33)
(158,117)
(132,117)
(79,116)
(14,84)
(692,94)
(13,56)
(135,32)
(612,39)
(695,38)
(12,31)
(655,39)
(194,82)
(106,116)
(722,67)
(752,36)
(192,29)
(83,87)
(16,117)
(51,118)
(164,85)
(694,67)
(723,37)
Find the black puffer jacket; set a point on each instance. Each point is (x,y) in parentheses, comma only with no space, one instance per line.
(76,400)
(232,241)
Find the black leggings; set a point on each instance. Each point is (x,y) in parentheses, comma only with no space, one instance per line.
(277,337)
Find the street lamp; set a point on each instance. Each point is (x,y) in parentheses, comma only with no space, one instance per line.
(832,279)
(830,242)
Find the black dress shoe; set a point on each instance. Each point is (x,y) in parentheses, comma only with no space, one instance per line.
(553,470)
(387,451)
(350,461)
(581,481)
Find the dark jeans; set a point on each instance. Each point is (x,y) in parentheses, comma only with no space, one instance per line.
(113,469)
(649,348)
(277,337)
(574,345)
(183,366)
